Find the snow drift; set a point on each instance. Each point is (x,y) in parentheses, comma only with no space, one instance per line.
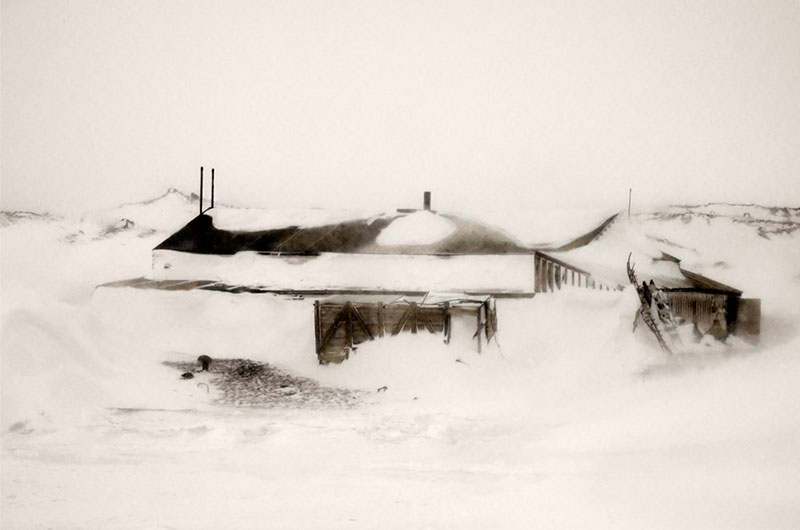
(567,420)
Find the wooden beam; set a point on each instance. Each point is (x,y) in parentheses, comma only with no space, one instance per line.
(357,315)
(317,330)
(447,322)
(381,321)
(478,332)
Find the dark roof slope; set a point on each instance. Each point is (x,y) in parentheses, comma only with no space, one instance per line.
(202,237)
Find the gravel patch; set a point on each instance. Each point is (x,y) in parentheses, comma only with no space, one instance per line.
(245,383)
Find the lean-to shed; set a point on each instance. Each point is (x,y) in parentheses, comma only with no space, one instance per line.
(713,307)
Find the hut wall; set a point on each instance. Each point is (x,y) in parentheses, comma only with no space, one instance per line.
(489,274)
(712,313)
(748,321)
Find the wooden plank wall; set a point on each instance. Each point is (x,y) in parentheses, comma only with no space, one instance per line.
(748,319)
(338,327)
(701,309)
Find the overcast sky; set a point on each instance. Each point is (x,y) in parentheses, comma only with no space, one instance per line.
(505,104)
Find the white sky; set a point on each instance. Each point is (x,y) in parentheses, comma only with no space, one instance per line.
(335,103)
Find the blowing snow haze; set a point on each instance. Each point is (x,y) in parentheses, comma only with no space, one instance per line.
(484,363)
(310,103)
(565,409)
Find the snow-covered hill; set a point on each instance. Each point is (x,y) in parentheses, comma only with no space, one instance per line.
(14,217)
(570,420)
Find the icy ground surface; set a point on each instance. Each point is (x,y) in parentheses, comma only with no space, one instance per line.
(571,421)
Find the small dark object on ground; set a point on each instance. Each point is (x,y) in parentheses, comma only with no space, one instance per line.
(205,362)
(383,389)
(187,375)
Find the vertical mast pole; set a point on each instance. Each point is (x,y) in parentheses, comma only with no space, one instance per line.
(630,190)
(201,190)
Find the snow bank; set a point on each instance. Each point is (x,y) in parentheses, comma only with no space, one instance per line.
(606,257)
(418,228)
(567,409)
(543,227)
(252,220)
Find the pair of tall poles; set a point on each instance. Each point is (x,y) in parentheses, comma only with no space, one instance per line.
(201,190)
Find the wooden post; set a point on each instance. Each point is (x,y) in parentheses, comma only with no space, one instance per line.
(348,329)
(381,323)
(478,332)
(542,275)
(413,317)
(486,320)
(426,201)
(201,190)
(447,323)
(317,331)
(212,187)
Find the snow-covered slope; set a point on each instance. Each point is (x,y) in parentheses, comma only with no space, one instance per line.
(568,421)
(14,217)
(754,248)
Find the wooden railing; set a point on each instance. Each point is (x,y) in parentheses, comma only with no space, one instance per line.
(551,274)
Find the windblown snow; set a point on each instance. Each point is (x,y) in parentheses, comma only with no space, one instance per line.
(568,420)
(418,228)
(252,220)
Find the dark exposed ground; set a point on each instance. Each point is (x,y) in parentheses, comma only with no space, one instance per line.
(245,383)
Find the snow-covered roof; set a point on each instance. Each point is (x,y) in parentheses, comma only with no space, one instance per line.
(602,250)
(227,231)
(418,228)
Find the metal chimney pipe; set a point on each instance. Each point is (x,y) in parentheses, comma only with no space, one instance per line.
(201,190)
(212,187)
(426,202)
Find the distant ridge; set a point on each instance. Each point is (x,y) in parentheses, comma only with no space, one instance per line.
(8,218)
(767,220)
(171,192)
(741,204)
